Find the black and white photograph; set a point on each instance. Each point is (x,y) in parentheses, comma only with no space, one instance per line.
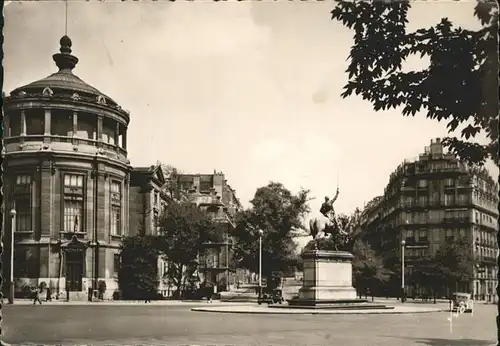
(250,173)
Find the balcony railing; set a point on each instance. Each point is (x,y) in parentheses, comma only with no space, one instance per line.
(416,243)
(63,143)
(450,219)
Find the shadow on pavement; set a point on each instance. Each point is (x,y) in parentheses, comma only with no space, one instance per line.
(452,342)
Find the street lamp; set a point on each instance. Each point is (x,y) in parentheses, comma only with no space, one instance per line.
(403,243)
(13,214)
(261,232)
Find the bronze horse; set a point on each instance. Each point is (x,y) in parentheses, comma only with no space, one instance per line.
(330,226)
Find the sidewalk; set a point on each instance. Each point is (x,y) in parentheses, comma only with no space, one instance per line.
(123,302)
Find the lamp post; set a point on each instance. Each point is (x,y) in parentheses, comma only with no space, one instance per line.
(13,214)
(403,298)
(261,232)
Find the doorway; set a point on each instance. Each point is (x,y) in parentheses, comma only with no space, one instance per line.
(74,270)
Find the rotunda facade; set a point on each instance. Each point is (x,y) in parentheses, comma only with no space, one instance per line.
(66,182)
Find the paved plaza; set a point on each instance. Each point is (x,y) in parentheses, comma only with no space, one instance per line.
(176,324)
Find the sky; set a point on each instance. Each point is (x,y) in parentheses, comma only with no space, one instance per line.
(250,88)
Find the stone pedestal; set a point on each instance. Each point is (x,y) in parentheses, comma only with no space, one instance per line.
(327,279)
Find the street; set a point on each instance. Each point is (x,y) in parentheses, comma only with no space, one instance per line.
(177,325)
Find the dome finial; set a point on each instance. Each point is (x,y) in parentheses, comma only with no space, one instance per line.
(64,60)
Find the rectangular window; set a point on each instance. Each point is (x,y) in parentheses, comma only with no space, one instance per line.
(422,200)
(410,235)
(73,203)
(449,235)
(449,182)
(155,194)
(22,201)
(215,259)
(422,183)
(462,232)
(422,236)
(116,264)
(449,199)
(116,208)
(156,223)
(462,199)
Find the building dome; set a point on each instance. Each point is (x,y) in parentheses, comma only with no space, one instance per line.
(65,84)
(62,113)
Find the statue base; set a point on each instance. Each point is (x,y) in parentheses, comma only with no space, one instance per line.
(328,282)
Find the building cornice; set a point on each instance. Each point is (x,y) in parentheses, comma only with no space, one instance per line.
(77,157)
(69,105)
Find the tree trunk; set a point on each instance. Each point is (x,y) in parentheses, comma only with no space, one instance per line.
(179,282)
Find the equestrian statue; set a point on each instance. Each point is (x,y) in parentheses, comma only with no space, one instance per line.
(339,232)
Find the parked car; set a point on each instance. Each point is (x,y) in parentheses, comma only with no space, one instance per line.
(462,302)
(272,297)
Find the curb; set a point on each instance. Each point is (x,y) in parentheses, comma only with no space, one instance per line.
(316,312)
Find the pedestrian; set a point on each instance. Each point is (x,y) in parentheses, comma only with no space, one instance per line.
(49,295)
(210,291)
(147,298)
(36,296)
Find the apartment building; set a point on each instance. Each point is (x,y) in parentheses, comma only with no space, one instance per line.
(212,193)
(430,201)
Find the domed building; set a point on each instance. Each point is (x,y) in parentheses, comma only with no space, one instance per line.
(66,182)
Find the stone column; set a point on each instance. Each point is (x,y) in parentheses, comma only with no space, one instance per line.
(117,133)
(89,205)
(102,224)
(46,200)
(126,189)
(23,125)
(74,136)
(99,128)
(47,122)
(124,139)
(6,124)
(35,203)
(75,124)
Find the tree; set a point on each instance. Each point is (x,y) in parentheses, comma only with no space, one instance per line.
(426,273)
(455,263)
(452,264)
(172,188)
(368,268)
(460,86)
(138,274)
(184,231)
(278,213)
